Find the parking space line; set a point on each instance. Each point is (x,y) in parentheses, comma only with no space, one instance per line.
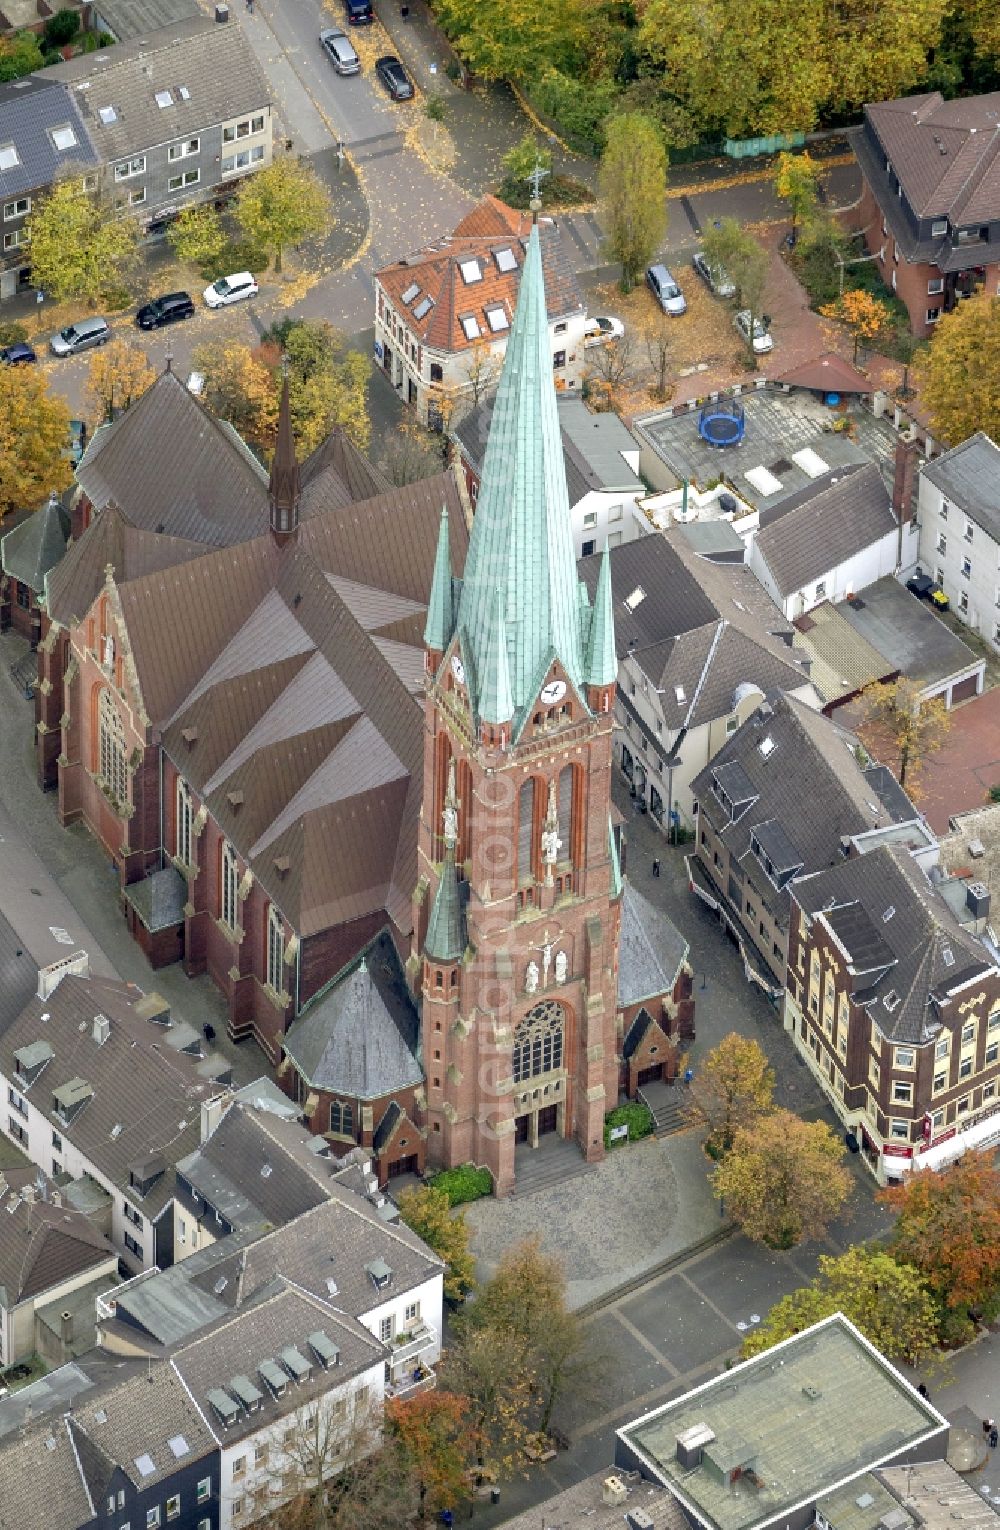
(708,1301)
(647,1344)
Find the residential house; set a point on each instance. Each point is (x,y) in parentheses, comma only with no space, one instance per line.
(126,19)
(601,458)
(177,116)
(28,553)
(699,646)
(930,203)
(760,829)
(43,136)
(108,1445)
(443,314)
(805,1429)
(49,1255)
(830,541)
(94,1091)
(959,498)
(292,1390)
(894,1004)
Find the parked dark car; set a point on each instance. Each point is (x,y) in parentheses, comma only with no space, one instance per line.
(17,355)
(359,12)
(394,77)
(923,586)
(165,310)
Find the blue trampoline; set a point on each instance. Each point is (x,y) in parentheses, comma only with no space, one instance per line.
(721,422)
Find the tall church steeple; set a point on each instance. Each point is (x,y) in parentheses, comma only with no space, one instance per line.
(284,488)
(522,542)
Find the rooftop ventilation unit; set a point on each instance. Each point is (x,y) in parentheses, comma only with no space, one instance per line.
(691,1444)
(613,1491)
(977,899)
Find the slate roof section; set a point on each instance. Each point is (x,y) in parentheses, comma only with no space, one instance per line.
(36,545)
(258,1334)
(126,19)
(436,273)
(226,1172)
(843,660)
(74,584)
(930,950)
(138,1417)
(150,1091)
(359,1036)
(338,473)
(44,1245)
(213,64)
(43,1485)
(969,476)
(806,759)
(18,976)
(651,951)
(813,532)
(31,108)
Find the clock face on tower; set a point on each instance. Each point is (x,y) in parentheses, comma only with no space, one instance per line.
(458,669)
(553,692)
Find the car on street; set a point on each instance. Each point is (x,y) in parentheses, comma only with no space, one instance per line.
(923,586)
(394,77)
(81,336)
(359,12)
(165,310)
(714,277)
(339,50)
(230,289)
(665,290)
(762,340)
(602,328)
(17,355)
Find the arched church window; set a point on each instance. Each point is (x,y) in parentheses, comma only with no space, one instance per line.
(525,831)
(275,950)
(113,758)
(229,879)
(182,826)
(342,1118)
(566,777)
(538,1041)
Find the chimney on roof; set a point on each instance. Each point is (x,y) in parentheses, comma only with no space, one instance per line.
(284,489)
(903,480)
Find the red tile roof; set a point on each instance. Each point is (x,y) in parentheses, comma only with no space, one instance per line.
(463,278)
(828,373)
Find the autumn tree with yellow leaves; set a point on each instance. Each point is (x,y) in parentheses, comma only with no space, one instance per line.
(865,315)
(34,437)
(118,374)
(783,1180)
(959,372)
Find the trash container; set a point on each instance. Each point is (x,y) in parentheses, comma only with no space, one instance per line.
(494,1495)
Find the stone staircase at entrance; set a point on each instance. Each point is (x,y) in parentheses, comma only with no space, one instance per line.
(667,1105)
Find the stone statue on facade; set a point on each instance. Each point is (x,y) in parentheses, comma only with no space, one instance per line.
(531,978)
(551,843)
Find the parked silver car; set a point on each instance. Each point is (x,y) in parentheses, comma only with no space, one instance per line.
(714,277)
(339,50)
(80,337)
(665,290)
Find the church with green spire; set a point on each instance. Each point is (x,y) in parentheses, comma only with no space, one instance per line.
(518,905)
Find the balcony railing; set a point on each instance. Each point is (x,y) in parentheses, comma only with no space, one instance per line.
(410,1344)
(409,1385)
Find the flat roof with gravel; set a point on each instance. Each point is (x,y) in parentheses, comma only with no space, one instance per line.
(782,1430)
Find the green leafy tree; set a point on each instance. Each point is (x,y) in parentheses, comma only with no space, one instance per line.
(796,180)
(783,1180)
(34,435)
(519,162)
(428,1212)
(732,249)
(514,41)
(19,55)
(887,1300)
(78,249)
(61,28)
(959,372)
(197,236)
(733,1088)
(283,205)
(875,51)
(489,1367)
(633,184)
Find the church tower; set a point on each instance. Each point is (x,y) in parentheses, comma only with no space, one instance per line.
(517,907)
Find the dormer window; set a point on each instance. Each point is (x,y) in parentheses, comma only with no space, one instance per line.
(939,228)
(379,1273)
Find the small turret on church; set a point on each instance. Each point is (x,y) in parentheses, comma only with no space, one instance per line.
(517,915)
(284,488)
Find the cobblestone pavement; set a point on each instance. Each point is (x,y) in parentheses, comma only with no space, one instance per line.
(591,1221)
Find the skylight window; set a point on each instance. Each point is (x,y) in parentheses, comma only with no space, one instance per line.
(679,693)
(471,271)
(498,320)
(766,747)
(8,157)
(890,911)
(506,260)
(145,1465)
(163,98)
(423,308)
(107,114)
(948,956)
(470,327)
(63,137)
(410,293)
(636,598)
(179,1446)
(891,1000)
(183,92)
